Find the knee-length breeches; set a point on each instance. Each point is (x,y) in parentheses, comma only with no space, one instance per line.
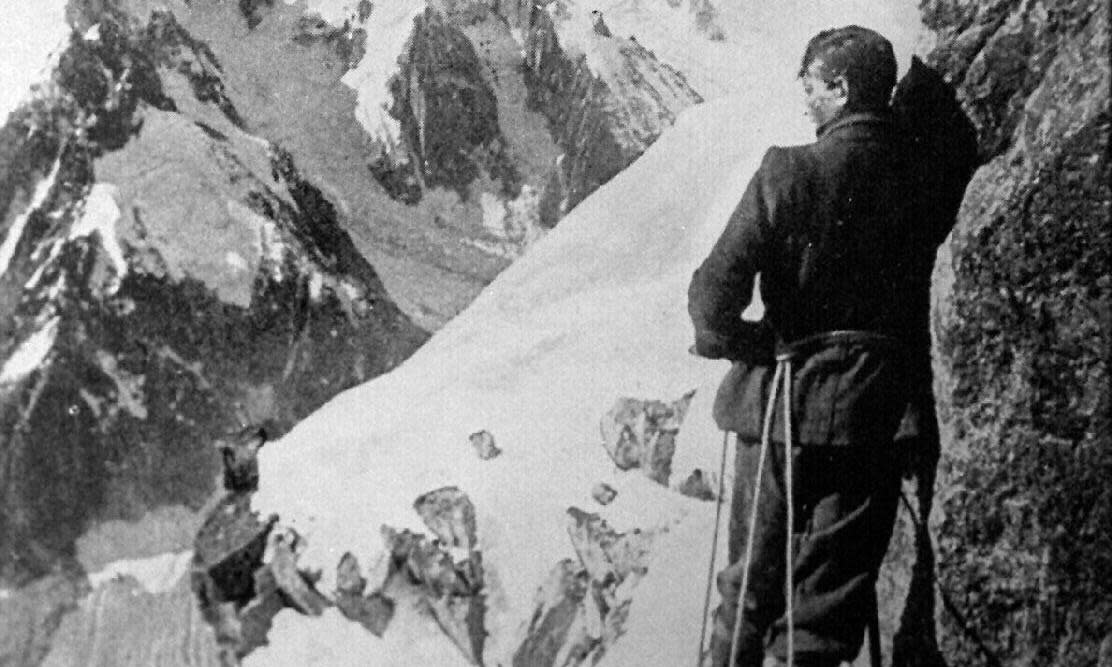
(845,503)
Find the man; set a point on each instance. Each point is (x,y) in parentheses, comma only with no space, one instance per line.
(844,239)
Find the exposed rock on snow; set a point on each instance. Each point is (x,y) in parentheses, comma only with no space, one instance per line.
(483,444)
(603,493)
(296,587)
(699,485)
(582,609)
(642,434)
(235,594)
(559,632)
(373,611)
(453,589)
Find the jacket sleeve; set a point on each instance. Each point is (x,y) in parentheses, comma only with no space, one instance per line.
(722,287)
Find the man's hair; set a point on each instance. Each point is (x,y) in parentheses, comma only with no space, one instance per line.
(864,57)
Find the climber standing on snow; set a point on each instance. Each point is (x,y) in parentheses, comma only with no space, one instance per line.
(844,240)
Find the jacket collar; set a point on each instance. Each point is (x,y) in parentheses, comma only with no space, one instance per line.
(857,122)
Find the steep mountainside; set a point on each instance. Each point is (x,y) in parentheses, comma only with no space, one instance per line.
(165,278)
(190,203)
(1024,332)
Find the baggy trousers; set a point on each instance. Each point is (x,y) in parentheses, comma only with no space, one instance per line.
(845,503)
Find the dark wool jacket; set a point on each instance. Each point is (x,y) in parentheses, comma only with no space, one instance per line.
(844,239)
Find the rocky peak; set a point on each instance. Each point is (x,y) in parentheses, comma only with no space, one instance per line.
(600,119)
(606,100)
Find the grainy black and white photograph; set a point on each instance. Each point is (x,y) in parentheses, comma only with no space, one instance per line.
(555,333)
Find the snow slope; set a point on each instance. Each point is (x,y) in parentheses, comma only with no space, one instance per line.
(769,35)
(595,311)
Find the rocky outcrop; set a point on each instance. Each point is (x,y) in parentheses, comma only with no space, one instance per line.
(581,610)
(1023,338)
(165,278)
(245,572)
(245,568)
(642,434)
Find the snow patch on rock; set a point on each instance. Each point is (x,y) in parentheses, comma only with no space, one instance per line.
(390,24)
(99,217)
(15,231)
(30,354)
(130,396)
(158,574)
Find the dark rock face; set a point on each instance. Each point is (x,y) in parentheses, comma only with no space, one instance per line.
(448,115)
(244,572)
(454,82)
(601,123)
(166,278)
(1024,332)
(237,596)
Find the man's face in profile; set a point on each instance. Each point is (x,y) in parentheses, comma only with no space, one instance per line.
(823,98)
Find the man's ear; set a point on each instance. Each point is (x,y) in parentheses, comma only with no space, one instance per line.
(839,86)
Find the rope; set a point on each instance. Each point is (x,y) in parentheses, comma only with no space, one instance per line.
(713,547)
(789,587)
(766,433)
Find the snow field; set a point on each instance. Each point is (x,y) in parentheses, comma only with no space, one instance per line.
(596,311)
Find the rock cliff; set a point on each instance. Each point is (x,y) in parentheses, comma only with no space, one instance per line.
(1024,334)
